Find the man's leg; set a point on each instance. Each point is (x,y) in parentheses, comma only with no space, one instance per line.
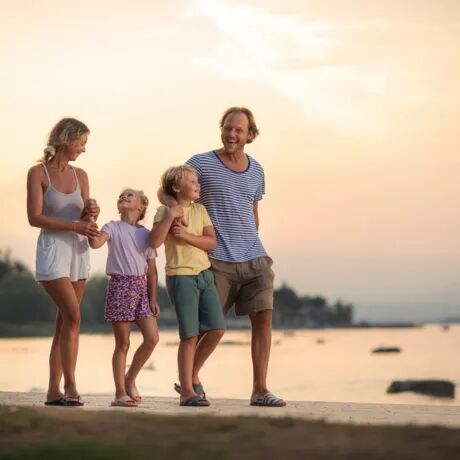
(261,323)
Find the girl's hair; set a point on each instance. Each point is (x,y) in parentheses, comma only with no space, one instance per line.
(173,177)
(250,116)
(142,198)
(67,129)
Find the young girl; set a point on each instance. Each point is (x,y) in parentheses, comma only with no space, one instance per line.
(131,292)
(189,281)
(58,203)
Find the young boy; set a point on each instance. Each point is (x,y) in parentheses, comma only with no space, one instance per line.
(187,232)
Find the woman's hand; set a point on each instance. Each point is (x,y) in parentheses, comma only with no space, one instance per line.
(85,228)
(92,210)
(155,308)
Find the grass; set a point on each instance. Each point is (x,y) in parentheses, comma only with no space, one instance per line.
(64,433)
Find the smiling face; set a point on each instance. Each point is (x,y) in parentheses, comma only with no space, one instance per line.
(235,133)
(189,188)
(129,200)
(73,149)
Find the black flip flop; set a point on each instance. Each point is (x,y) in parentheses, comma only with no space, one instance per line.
(55,402)
(195,401)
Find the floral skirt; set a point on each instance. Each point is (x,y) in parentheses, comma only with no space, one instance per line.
(127,299)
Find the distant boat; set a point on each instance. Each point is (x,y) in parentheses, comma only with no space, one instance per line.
(386,350)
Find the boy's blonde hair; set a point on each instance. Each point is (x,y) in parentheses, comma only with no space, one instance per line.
(142,198)
(173,176)
(65,130)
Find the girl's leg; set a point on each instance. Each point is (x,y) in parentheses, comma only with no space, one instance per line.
(55,363)
(185,359)
(121,330)
(205,347)
(149,329)
(63,295)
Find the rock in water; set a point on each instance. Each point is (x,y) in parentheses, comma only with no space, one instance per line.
(440,388)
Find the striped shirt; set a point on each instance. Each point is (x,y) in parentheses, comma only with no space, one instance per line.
(229,197)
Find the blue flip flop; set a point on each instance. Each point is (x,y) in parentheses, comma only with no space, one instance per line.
(197,387)
(195,401)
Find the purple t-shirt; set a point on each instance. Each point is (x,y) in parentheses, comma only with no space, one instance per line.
(128,249)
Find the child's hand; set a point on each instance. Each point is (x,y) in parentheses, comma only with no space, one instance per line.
(179,231)
(155,309)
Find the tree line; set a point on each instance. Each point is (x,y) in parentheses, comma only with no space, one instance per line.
(26,309)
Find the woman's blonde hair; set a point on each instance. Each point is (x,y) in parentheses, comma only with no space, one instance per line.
(142,198)
(250,116)
(65,130)
(173,176)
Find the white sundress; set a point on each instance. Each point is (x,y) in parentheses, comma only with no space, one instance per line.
(62,254)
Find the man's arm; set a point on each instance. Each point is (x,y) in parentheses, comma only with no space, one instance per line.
(255,209)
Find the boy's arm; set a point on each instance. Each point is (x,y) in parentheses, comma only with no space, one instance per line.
(206,241)
(160,230)
(152,282)
(99,241)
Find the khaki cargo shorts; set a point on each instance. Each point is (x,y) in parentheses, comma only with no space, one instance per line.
(246,285)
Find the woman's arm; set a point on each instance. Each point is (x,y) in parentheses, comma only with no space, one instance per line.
(160,230)
(206,241)
(152,283)
(35,209)
(99,241)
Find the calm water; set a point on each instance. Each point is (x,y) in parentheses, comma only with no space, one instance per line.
(312,365)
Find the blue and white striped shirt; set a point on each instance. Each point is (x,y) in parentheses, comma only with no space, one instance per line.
(229,197)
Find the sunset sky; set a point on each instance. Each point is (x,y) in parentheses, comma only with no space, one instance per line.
(358,104)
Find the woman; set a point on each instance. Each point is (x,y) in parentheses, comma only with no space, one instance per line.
(58,203)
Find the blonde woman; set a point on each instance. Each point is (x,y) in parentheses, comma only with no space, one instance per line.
(58,203)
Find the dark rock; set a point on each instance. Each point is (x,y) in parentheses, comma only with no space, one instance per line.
(386,350)
(440,388)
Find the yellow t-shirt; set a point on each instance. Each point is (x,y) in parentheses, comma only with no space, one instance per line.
(183,258)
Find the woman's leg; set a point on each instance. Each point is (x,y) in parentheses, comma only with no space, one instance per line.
(149,329)
(121,330)
(63,295)
(185,357)
(55,363)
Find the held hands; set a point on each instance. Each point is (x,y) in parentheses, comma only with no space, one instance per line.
(155,308)
(92,210)
(86,228)
(178,230)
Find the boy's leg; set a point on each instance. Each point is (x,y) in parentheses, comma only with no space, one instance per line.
(211,322)
(149,329)
(185,358)
(121,330)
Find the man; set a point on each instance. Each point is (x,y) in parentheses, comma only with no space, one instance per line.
(232,184)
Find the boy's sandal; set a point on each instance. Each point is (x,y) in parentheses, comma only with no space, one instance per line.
(195,401)
(267,400)
(71,401)
(124,401)
(197,387)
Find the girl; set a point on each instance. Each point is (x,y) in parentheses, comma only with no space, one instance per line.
(189,281)
(131,292)
(56,193)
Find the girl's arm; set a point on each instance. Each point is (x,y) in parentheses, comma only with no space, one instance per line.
(206,241)
(35,209)
(152,282)
(99,241)
(160,230)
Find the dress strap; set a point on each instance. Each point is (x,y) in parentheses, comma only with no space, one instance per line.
(47,174)
(76,177)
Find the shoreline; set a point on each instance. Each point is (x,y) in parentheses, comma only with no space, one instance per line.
(374,414)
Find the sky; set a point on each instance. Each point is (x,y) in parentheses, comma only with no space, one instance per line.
(357,104)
